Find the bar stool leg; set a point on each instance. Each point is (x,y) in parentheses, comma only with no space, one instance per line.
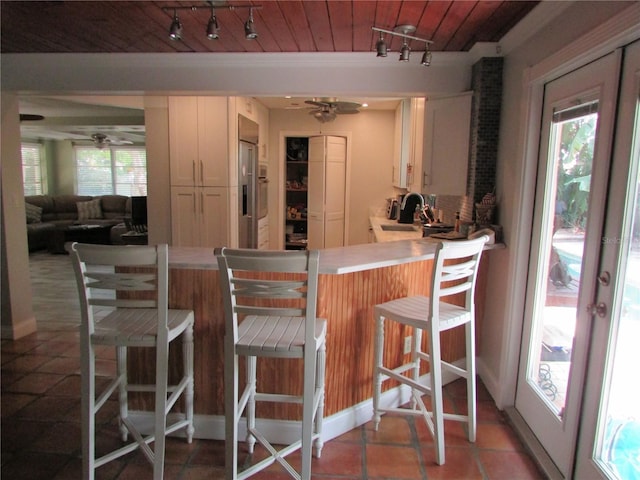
(231,416)
(121,365)
(416,342)
(471,379)
(377,360)
(320,372)
(251,402)
(187,356)
(436,395)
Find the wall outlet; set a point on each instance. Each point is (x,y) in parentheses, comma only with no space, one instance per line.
(407,344)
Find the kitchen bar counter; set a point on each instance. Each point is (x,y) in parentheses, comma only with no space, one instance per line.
(353,279)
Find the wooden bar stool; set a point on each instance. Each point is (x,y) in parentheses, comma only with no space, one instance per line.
(432,315)
(110,319)
(270,311)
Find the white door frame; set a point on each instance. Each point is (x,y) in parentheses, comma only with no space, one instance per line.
(282,173)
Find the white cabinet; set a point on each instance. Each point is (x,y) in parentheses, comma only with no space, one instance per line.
(199,216)
(199,141)
(326,195)
(447,125)
(408,141)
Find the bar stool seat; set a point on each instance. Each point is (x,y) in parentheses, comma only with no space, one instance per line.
(455,269)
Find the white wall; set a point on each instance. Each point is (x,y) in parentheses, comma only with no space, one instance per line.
(371,154)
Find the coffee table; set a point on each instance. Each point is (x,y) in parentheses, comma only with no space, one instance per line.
(78,233)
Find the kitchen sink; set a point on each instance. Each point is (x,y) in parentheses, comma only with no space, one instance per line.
(398,228)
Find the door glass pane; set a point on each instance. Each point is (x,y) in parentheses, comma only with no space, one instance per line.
(565,212)
(618,435)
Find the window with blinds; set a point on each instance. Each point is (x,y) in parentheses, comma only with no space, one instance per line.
(113,170)
(32,168)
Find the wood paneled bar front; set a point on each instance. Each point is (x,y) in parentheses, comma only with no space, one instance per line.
(353,279)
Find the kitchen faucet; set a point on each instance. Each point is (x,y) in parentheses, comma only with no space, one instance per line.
(406,214)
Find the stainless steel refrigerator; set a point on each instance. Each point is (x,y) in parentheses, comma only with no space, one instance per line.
(247,183)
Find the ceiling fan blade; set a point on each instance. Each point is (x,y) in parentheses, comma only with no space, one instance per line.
(30,117)
(347,105)
(316,103)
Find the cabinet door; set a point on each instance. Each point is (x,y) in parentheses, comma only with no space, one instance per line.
(335,174)
(183,140)
(446,145)
(316,193)
(213,141)
(327,170)
(184,226)
(402,143)
(214,206)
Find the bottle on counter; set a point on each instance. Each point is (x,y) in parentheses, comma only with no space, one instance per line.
(456,226)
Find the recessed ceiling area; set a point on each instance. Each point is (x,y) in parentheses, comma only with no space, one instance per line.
(121,118)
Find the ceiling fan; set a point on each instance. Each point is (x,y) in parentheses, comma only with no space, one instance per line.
(326,109)
(100,140)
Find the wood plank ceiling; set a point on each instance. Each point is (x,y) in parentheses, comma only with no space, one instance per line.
(282,26)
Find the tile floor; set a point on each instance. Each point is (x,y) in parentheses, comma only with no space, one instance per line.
(40,429)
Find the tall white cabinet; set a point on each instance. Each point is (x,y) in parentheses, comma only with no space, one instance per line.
(201,187)
(326,194)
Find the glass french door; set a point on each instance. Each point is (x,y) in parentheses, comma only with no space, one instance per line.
(609,442)
(569,212)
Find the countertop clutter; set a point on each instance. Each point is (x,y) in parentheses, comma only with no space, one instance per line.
(386,230)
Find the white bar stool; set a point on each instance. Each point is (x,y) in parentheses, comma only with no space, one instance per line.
(433,316)
(108,319)
(270,311)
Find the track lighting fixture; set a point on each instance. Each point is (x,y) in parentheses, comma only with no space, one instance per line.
(405,51)
(175,30)
(426,57)
(404,32)
(381,46)
(249,27)
(213,29)
(212,26)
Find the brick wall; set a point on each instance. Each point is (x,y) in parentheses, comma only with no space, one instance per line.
(486,83)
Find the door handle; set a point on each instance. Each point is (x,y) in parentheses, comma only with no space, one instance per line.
(600,309)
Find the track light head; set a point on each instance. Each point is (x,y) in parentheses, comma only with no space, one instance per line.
(249,27)
(212,27)
(405,51)
(426,58)
(175,30)
(381,47)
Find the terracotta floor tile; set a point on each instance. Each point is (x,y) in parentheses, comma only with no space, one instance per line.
(497,437)
(51,409)
(61,365)
(385,461)
(393,429)
(35,383)
(63,438)
(339,458)
(459,463)
(508,466)
(13,402)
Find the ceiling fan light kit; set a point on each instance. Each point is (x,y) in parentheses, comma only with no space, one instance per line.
(213,29)
(327,109)
(404,32)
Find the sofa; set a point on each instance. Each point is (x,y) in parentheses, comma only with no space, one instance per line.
(47,213)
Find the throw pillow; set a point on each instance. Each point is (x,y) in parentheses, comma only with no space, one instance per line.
(34,213)
(89,210)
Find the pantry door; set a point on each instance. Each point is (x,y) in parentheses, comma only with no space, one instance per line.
(609,441)
(570,200)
